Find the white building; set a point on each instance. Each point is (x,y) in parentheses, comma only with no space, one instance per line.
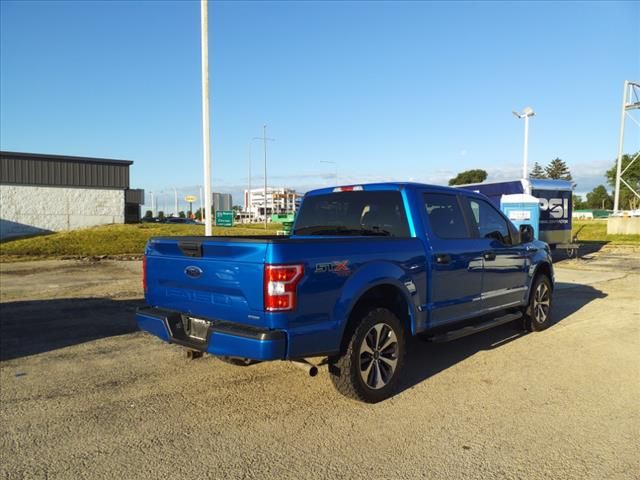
(45,193)
(280,200)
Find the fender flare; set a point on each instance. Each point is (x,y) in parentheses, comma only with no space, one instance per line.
(370,276)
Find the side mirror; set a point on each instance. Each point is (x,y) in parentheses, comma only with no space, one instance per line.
(526,233)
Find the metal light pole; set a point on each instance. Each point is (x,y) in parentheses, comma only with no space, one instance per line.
(175,193)
(204,43)
(264,139)
(152,212)
(526,113)
(247,205)
(201,206)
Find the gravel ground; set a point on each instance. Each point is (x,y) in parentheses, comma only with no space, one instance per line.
(85,395)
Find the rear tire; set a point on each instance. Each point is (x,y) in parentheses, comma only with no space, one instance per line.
(370,367)
(537,316)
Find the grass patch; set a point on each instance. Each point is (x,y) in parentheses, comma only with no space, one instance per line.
(596,231)
(111,240)
(114,240)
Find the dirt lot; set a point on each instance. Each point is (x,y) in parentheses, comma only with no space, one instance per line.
(84,395)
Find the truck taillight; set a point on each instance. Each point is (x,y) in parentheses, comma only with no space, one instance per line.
(144,272)
(351,188)
(280,282)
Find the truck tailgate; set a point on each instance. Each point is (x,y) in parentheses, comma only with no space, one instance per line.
(217,279)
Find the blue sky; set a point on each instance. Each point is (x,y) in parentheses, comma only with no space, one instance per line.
(388,91)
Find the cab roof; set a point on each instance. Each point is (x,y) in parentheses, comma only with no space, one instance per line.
(373,187)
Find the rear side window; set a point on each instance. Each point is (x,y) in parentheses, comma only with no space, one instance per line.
(445,216)
(489,222)
(352,214)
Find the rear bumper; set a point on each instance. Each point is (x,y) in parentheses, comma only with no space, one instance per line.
(223,338)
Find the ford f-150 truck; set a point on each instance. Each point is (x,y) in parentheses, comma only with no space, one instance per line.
(365,267)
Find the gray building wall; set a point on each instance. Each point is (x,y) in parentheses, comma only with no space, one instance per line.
(222,201)
(26,210)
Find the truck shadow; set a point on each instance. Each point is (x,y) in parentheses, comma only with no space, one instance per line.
(32,327)
(586,248)
(425,359)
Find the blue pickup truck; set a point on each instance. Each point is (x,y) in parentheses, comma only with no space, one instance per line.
(365,267)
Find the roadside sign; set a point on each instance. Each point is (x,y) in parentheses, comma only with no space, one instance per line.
(190,198)
(224,218)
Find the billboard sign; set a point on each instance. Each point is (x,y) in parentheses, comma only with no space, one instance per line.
(555,209)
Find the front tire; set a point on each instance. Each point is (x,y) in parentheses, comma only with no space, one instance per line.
(369,370)
(538,313)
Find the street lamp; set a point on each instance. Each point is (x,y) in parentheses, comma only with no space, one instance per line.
(526,113)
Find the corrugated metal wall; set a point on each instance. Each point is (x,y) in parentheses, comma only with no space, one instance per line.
(27,169)
(134,196)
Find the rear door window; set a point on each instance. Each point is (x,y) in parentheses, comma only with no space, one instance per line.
(353,213)
(445,216)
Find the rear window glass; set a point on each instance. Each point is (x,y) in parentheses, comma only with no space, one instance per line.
(445,216)
(353,213)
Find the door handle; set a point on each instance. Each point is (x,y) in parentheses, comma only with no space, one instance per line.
(489,256)
(443,258)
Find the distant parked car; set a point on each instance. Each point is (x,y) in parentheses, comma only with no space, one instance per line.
(179,220)
(151,220)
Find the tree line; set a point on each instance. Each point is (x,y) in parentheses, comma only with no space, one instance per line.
(557,169)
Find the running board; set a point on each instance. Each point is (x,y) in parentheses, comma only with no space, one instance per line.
(470,330)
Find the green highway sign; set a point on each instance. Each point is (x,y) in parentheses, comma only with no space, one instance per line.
(224,218)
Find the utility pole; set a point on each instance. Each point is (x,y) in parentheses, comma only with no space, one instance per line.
(264,139)
(206,140)
(201,206)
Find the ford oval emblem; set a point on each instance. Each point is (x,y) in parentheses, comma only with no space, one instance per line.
(193,271)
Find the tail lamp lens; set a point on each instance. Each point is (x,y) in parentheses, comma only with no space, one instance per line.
(280,282)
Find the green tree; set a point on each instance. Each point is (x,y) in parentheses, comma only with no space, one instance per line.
(558,170)
(628,201)
(148,215)
(537,172)
(599,198)
(161,214)
(181,214)
(198,214)
(578,203)
(469,176)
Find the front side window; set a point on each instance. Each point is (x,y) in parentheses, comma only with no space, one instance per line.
(489,222)
(445,216)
